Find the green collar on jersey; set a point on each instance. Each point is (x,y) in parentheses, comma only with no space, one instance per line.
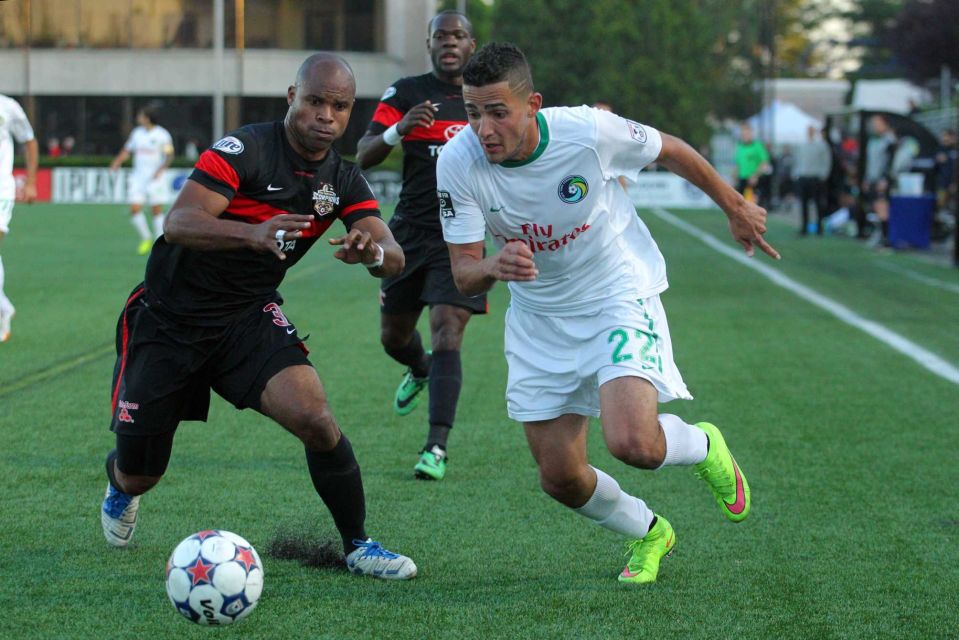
(540,148)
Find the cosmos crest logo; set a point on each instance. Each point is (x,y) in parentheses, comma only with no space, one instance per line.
(573,189)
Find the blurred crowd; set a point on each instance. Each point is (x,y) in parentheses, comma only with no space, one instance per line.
(820,179)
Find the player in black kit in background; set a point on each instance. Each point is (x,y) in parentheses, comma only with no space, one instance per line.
(425,112)
(208,315)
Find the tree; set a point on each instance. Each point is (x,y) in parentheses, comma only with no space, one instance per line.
(667,62)
(873,29)
(925,37)
(480,13)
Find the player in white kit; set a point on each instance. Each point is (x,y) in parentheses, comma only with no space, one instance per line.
(152,149)
(586,334)
(13,126)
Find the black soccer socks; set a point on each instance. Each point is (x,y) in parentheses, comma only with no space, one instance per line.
(336,477)
(446,379)
(413,356)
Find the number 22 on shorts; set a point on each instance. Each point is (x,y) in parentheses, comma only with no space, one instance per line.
(648,356)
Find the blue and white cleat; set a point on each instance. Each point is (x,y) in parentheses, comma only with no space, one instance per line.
(118,515)
(370,559)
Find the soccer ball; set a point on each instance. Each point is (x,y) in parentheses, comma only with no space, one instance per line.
(214,577)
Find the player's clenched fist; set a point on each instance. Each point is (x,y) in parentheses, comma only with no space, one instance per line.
(514,262)
(422,115)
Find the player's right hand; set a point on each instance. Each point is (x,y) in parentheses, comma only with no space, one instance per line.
(514,262)
(422,115)
(266,236)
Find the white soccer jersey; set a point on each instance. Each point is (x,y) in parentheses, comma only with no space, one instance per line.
(565,203)
(149,148)
(13,126)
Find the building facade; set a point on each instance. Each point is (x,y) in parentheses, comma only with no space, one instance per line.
(81,68)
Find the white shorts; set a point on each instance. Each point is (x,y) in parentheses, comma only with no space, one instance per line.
(557,364)
(144,188)
(6,213)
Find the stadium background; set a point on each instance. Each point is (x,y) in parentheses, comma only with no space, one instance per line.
(850,444)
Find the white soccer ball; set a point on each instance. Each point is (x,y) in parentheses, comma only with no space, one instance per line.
(214,577)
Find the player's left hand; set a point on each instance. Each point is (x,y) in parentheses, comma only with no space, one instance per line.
(748,225)
(30,193)
(356,247)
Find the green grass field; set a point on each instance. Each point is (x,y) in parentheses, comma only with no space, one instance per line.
(850,449)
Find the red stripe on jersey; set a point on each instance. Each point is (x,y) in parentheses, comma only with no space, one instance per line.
(387,115)
(317,228)
(125,341)
(253,210)
(440,131)
(366,204)
(219,169)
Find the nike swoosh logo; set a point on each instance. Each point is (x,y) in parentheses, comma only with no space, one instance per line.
(495,209)
(403,403)
(270,187)
(740,503)
(290,331)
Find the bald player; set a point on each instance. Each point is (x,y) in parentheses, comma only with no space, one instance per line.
(208,314)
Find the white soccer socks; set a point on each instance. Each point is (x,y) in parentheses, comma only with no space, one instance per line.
(613,509)
(685,444)
(139,222)
(158,225)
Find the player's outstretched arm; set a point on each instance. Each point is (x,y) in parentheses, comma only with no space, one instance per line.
(372,149)
(119,159)
(747,220)
(31,152)
(370,243)
(194,222)
(475,275)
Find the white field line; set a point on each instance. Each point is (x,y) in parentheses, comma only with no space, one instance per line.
(932,282)
(911,350)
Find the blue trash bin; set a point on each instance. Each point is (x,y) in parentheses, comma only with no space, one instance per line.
(910,219)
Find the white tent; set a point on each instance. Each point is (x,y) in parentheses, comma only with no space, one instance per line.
(782,123)
(887,95)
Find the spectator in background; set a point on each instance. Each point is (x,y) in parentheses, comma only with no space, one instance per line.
(752,161)
(53,147)
(192,150)
(68,145)
(875,183)
(946,159)
(813,164)
(836,181)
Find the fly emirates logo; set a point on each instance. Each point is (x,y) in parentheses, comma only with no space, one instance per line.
(542,238)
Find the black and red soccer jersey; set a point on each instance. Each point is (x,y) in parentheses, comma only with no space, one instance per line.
(421,148)
(259,172)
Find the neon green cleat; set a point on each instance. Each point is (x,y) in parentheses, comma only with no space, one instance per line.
(407,394)
(643,565)
(144,247)
(432,464)
(723,476)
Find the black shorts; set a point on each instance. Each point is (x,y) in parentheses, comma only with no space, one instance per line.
(427,278)
(165,370)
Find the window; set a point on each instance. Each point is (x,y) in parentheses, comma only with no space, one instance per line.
(54,23)
(13,26)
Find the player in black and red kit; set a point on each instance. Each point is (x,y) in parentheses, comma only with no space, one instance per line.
(208,315)
(425,112)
